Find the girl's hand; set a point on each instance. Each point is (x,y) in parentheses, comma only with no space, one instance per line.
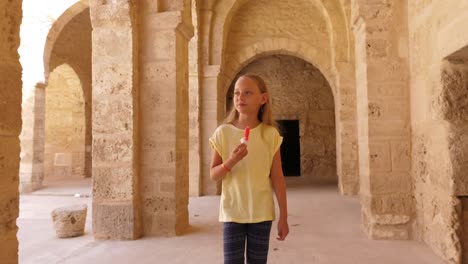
(283,229)
(239,153)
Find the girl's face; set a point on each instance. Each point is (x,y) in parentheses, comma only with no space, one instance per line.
(247,96)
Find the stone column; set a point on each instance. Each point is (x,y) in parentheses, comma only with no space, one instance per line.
(210,117)
(10,127)
(116,206)
(382,69)
(32,136)
(164,118)
(208,97)
(346,136)
(195,66)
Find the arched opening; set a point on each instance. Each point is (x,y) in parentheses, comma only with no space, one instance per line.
(317,34)
(68,100)
(303,106)
(65,127)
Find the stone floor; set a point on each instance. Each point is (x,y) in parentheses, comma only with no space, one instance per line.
(324,229)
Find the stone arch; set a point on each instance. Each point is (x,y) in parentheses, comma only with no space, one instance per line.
(225,61)
(69,42)
(55,31)
(278,46)
(302,94)
(333,12)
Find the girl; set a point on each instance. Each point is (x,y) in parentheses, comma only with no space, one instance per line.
(248,172)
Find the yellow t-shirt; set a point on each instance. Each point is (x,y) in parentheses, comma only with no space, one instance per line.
(247,195)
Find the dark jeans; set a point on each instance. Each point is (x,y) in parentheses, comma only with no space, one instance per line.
(257,236)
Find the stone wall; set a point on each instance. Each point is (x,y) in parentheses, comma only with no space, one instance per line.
(64,155)
(10,127)
(254,22)
(68,101)
(437,30)
(300,92)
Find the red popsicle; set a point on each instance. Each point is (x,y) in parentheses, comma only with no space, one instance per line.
(246,133)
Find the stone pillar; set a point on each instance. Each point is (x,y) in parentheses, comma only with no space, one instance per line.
(210,117)
(208,97)
(346,136)
(10,127)
(32,136)
(382,71)
(116,206)
(164,118)
(195,66)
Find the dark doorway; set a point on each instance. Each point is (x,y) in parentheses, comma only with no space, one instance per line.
(291,148)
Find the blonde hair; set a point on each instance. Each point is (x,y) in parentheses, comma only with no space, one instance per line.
(265,114)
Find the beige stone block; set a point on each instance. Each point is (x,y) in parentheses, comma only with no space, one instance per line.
(389,128)
(380,157)
(111,149)
(349,188)
(377,47)
(112,183)
(349,151)
(113,79)
(401,156)
(384,70)
(116,220)
(112,14)
(347,114)
(168,187)
(158,71)
(395,203)
(112,115)
(390,183)
(157,205)
(10,99)
(161,45)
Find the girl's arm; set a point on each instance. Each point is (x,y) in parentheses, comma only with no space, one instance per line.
(279,185)
(217,172)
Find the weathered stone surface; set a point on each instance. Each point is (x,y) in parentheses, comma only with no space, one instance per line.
(69,221)
(116,211)
(115,220)
(10,126)
(165,124)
